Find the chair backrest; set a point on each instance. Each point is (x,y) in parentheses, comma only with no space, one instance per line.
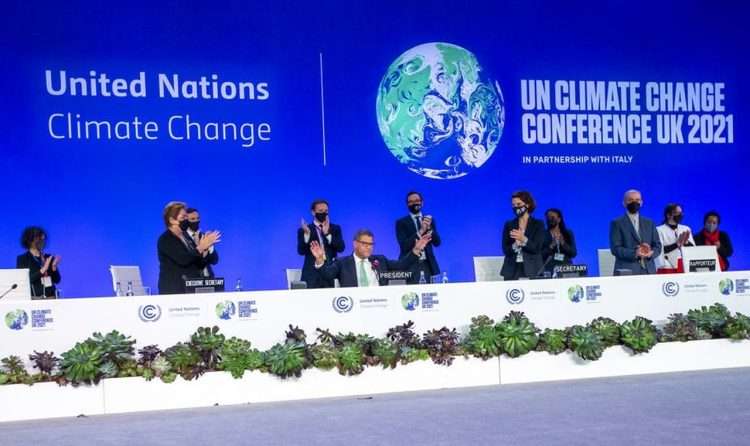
(293,275)
(125,274)
(606,262)
(487,268)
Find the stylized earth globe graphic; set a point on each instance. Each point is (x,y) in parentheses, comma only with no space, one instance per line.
(225,310)
(726,286)
(16,320)
(410,301)
(575,293)
(438,112)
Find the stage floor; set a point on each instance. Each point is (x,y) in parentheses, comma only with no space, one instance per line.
(700,408)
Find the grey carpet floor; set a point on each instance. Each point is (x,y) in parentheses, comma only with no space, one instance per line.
(697,408)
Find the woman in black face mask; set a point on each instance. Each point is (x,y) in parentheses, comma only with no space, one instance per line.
(673,236)
(44,273)
(712,236)
(559,242)
(523,238)
(180,258)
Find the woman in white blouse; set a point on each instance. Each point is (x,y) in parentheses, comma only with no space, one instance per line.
(673,236)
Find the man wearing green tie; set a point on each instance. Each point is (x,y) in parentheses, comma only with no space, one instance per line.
(362,268)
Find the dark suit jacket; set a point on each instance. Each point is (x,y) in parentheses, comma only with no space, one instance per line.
(623,242)
(344,268)
(568,249)
(725,251)
(177,262)
(211,259)
(27,261)
(406,233)
(532,252)
(336,245)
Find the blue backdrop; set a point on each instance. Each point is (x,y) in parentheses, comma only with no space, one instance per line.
(101,200)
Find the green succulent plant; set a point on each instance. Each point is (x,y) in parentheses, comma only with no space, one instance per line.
(552,341)
(351,359)
(109,370)
(387,353)
(236,356)
(160,366)
(81,364)
(639,335)
(14,371)
(285,360)
(738,327)
(207,341)
(128,369)
(325,356)
(516,334)
(607,329)
(680,328)
(409,354)
(711,319)
(115,347)
(148,374)
(169,377)
(482,340)
(185,361)
(585,342)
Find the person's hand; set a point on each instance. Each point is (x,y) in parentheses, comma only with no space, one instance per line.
(683,238)
(420,244)
(318,252)
(55,262)
(47,261)
(426,224)
(209,239)
(718,244)
(326,226)
(517,235)
(305,228)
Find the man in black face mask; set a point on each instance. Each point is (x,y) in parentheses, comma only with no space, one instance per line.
(327,234)
(411,228)
(633,239)
(192,227)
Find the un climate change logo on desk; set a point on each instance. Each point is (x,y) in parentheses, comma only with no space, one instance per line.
(225,310)
(149,313)
(410,301)
(16,320)
(343,304)
(670,289)
(514,296)
(726,286)
(437,111)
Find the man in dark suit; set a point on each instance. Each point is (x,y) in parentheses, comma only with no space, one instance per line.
(327,235)
(411,228)
(193,231)
(362,268)
(633,239)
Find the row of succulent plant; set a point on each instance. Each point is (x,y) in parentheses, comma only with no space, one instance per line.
(113,354)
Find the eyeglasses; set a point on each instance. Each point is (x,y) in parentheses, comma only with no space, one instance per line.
(365,243)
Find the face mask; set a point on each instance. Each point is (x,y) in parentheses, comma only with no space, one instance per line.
(552,222)
(710,227)
(633,207)
(194,225)
(677,218)
(321,216)
(415,208)
(184,224)
(519,211)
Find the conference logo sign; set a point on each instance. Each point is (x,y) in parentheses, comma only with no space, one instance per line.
(670,289)
(590,293)
(515,296)
(343,304)
(16,320)
(149,312)
(438,112)
(225,310)
(726,286)
(410,301)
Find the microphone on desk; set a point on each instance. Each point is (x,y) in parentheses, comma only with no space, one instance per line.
(12,287)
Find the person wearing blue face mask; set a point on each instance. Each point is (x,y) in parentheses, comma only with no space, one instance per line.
(523,237)
(712,236)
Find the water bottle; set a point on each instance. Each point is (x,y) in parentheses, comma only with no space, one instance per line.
(445,277)
(238,285)
(130,289)
(422,279)
(118,290)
